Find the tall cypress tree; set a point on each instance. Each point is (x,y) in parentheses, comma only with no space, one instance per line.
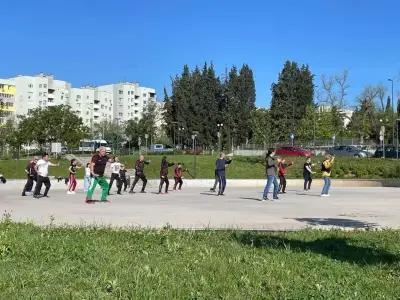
(291,95)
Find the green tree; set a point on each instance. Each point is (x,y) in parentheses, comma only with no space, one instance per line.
(291,95)
(52,124)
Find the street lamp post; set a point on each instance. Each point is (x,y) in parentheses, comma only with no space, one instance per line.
(397,139)
(180,136)
(394,120)
(174,123)
(219,126)
(382,138)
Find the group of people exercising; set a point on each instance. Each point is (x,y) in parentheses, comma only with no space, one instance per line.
(37,170)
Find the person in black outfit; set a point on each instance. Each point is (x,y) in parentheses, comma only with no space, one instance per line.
(307,174)
(122,176)
(220,169)
(31,175)
(164,174)
(139,174)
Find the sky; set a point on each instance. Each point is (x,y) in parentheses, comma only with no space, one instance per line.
(99,42)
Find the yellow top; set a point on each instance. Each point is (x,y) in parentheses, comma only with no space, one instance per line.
(328,164)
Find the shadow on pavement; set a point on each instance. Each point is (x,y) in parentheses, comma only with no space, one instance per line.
(347,223)
(250,198)
(341,249)
(209,194)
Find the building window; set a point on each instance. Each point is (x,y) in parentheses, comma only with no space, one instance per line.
(144,95)
(30,85)
(40,93)
(45,85)
(40,85)
(78,96)
(120,114)
(120,92)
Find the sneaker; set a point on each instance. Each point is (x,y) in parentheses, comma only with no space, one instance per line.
(264,199)
(131,192)
(324,195)
(276,198)
(36,196)
(46,196)
(212,190)
(143,192)
(73,192)
(283,192)
(23,195)
(105,201)
(69,192)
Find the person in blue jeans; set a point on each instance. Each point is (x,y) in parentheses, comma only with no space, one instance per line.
(271,169)
(220,171)
(326,169)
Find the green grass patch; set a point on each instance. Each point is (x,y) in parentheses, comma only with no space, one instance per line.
(202,166)
(101,263)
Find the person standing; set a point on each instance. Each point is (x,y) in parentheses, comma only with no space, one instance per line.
(220,164)
(122,176)
(97,168)
(72,176)
(270,164)
(326,169)
(164,174)
(115,168)
(282,171)
(42,169)
(139,174)
(31,175)
(178,172)
(86,178)
(307,174)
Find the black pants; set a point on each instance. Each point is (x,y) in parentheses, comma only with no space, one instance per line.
(115,177)
(137,177)
(178,180)
(162,180)
(40,181)
(307,181)
(221,181)
(29,184)
(282,183)
(124,183)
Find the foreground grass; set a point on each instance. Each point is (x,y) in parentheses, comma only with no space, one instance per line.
(202,166)
(167,264)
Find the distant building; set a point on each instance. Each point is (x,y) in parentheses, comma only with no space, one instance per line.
(117,102)
(7,100)
(348,113)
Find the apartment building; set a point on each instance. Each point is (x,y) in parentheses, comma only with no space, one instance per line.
(7,101)
(117,102)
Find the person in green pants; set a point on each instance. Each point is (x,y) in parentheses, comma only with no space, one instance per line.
(97,168)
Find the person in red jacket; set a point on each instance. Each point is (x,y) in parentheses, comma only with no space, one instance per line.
(282,170)
(178,172)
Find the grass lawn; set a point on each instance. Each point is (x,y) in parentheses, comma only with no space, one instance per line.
(76,263)
(240,168)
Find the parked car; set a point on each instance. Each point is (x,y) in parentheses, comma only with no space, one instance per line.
(293,151)
(390,152)
(347,151)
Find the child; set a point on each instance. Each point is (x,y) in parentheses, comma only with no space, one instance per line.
(282,170)
(326,169)
(72,176)
(307,174)
(115,167)
(87,178)
(178,176)
(122,176)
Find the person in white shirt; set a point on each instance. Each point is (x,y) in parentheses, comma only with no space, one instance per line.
(42,169)
(87,178)
(115,167)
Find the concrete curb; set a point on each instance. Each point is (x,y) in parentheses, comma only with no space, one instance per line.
(207,183)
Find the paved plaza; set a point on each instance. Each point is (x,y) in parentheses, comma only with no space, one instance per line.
(197,208)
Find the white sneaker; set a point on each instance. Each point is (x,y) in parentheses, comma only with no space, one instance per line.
(324,195)
(69,193)
(73,192)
